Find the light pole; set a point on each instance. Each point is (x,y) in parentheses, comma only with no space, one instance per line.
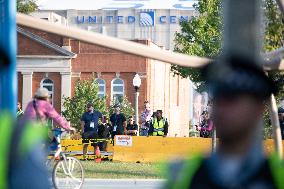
(136,84)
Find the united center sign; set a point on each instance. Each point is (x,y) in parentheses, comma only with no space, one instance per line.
(144,19)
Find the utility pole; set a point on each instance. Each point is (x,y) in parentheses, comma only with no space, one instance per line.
(8,43)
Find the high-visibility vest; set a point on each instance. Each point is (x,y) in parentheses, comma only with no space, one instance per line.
(191,166)
(158,126)
(29,135)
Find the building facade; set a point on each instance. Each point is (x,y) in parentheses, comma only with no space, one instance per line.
(55,62)
(156,25)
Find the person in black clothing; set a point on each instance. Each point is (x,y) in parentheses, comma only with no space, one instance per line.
(132,127)
(239,89)
(89,125)
(118,122)
(281,120)
(105,130)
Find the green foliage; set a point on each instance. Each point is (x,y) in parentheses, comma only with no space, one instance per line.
(85,91)
(125,107)
(200,36)
(273,26)
(26,6)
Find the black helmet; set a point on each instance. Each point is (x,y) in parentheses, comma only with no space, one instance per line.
(280,110)
(237,76)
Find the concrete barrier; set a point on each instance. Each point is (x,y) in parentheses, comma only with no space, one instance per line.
(75,148)
(153,149)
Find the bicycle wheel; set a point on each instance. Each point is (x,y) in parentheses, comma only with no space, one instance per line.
(68,174)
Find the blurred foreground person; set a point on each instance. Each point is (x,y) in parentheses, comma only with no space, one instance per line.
(21,161)
(40,109)
(20,112)
(240,89)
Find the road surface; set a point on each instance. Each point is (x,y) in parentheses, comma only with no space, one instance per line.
(123,183)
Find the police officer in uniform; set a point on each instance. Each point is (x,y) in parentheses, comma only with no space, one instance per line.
(240,89)
(159,125)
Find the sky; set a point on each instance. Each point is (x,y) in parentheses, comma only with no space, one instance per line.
(114,4)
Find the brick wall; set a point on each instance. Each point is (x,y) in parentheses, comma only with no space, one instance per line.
(26,46)
(92,58)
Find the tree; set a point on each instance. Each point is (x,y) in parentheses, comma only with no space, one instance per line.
(85,91)
(26,6)
(200,36)
(125,107)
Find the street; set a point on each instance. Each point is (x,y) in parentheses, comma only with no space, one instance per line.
(123,183)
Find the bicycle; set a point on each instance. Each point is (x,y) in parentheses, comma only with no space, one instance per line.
(67,172)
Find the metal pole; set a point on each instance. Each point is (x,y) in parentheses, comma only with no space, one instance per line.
(214,140)
(242,21)
(8,42)
(281,5)
(136,111)
(276,126)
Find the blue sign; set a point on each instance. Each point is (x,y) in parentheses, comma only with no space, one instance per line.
(147,18)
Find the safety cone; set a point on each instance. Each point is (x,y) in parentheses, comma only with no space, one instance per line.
(98,158)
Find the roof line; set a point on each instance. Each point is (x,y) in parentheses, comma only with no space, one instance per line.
(46,42)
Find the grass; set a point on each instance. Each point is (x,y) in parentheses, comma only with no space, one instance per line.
(119,170)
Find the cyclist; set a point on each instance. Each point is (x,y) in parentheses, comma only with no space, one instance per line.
(40,109)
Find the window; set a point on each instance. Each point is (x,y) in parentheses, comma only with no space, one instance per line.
(117,90)
(48,84)
(102,87)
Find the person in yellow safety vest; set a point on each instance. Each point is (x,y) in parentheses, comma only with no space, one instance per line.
(159,125)
(239,89)
(21,157)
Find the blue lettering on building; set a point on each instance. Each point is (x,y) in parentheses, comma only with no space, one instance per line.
(92,19)
(109,19)
(120,19)
(183,18)
(163,19)
(173,19)
(146,19)
(80,21)
(130,19)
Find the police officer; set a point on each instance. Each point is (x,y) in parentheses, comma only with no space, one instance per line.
(159,125)
(239,89)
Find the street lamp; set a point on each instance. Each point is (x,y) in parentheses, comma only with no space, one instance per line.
(136,84)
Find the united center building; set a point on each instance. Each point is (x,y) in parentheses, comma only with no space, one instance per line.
(159,25)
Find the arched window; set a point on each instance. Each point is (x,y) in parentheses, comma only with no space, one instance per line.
(117,90)
(102,87)
(48,84)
